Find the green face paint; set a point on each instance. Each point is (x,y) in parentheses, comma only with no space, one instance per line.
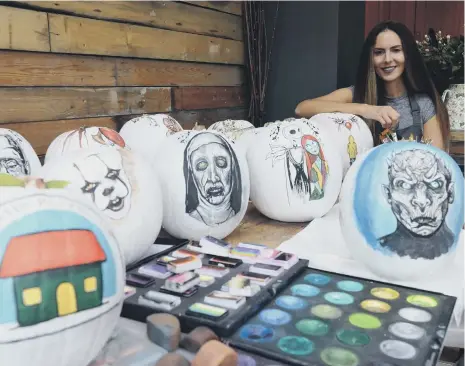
(56,184)
(7,180)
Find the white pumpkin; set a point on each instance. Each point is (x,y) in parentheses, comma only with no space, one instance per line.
(205,185)
(145,133)
(231,128)
(61,278)
(17,156)
(350,132)
(401,210)
(84,138)
(123,186)
(295,171)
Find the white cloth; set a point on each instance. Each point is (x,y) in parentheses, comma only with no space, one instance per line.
(323,245)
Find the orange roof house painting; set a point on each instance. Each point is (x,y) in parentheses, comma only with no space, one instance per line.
(61,273)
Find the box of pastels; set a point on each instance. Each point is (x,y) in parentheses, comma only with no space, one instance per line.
(209,283)
(324,318)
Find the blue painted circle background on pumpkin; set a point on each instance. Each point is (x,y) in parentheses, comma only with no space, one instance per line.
(373,214)
(50,220)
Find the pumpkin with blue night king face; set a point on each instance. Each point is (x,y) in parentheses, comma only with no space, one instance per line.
(122,185)
(61,275)
(205,184)
(144,134)
(295,170)
(402,210)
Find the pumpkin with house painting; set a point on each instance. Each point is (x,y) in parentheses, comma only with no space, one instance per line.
(122,185)
(61,275)
(17,156)
(83,138)
(231,128)
(145,133)
(295,171)
(205,184)
(351,134)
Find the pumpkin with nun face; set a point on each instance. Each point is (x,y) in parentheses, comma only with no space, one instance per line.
(145,133)
(295,172)
(122,186)
(350,132)
(205,185)
(17,156)
(402,209)
(61,276)
(84,138)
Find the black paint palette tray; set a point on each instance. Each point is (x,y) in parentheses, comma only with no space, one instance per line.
(223,327)
(325,318)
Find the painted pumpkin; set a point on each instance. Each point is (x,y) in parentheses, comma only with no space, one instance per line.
(123,186)
(61,276)
(402,208)
(83,138)
(295,174)
(17,156)
(144,134)
(350,132)
(231,128)
(205,185)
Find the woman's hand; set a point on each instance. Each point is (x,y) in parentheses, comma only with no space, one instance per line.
(386,115)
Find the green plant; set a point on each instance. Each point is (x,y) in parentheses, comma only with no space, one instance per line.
(443,54)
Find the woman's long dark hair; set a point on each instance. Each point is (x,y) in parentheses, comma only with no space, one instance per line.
(369,87)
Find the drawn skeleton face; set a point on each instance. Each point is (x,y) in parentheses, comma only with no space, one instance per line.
(104,181)
(293,133)
(11,157)
(419,191)
(211,167)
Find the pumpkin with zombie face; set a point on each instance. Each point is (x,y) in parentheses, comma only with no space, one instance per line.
(122,186)
(83,138)
(145,133)
(402,209)
(295,171)
(205,185)
(61,276)
(17,156)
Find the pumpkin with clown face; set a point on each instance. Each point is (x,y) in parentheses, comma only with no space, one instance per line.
(122,185)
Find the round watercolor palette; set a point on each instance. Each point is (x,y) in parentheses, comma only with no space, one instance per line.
(330,319)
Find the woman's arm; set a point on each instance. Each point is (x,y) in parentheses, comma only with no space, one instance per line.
(432,131)
(338,101)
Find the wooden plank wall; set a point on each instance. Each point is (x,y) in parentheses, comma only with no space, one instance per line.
(73,63)
(419,16)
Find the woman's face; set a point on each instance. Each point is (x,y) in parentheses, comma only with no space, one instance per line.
(388,56)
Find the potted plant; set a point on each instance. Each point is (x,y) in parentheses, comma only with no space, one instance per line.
(444,58)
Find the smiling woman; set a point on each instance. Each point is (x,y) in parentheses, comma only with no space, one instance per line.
(393,90)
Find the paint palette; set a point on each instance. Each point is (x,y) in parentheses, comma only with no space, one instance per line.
(192,307)
(324,318)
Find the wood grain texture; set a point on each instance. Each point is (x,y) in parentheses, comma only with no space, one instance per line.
(22,29)
(70,34)
(188,119)
(41,134)
(161,14)
(457,135)
(257,228)
(232,7)
(208,97)
(18,68)
(42,104)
